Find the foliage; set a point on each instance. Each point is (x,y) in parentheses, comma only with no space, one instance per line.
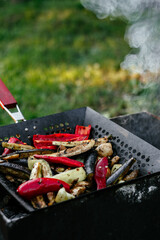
(56,56)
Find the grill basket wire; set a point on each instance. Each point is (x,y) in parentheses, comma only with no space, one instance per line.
(125,144)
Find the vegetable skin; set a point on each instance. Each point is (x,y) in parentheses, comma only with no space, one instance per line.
(39,186)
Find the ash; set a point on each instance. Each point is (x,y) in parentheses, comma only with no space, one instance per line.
(135,193)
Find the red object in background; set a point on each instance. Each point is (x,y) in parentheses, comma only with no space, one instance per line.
(6,97)
(61,160)
(101,172)
(39,186)
(12,140)
(82,130)
(45,141)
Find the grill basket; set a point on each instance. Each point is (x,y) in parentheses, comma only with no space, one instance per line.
(105,214)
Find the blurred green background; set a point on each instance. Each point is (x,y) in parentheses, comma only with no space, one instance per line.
(57,56)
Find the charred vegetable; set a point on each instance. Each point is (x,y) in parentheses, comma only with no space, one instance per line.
(38,201)
(105,149)
(75,143)
(90,165)
(121,172)
(25,154)
(15,170)
(11,140)
(63,195)
(81,148)
(16,146)
(45,141)
(39,186)
(132,175)
(77,174)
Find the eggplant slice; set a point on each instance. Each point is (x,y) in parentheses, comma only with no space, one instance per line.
(11,189)
(14,170)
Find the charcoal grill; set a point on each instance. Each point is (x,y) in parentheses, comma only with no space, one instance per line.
(116,212)
(143,124)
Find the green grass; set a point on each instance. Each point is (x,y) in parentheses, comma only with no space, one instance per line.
(56,56)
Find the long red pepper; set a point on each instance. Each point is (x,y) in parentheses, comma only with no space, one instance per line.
(45,141)
(11,140)
(100,172)
(83,130)
(39,186)
(61,160)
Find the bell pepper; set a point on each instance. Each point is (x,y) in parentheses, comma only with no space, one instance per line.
(61,160)
(101,172)
(83,130)
(39,186)
(11,140)
(45,141)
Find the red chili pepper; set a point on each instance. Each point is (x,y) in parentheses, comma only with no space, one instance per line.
(45,141)
(82,130)
(39,186)
(12,140)
(61,160)
(100,172)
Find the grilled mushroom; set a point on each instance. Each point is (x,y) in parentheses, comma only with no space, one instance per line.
(104,150)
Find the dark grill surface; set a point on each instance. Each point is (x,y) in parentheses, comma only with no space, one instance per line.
(87,215)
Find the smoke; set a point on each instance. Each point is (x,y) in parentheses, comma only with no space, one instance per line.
(143,33)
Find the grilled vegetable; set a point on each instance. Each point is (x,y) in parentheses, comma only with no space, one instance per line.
(38,201)
(46,172)
(14,170)
(70,176)
(83,184)
(39,186)
(101,172)
(61,160)
(51,197)
(90,165)
(114,160)
(75,143)
(62,195)
(36,171)
(45,141)
(82,130)
(81,148)
(25,154)
(45,166)
(115,168)
(76,191)
(16,146)
(11,140)
(121,172)
(104,150)
(132,175)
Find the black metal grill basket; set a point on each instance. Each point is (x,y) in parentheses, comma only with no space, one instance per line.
(110,213)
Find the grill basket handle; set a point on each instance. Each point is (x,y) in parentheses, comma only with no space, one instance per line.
(6,97)
(7,101)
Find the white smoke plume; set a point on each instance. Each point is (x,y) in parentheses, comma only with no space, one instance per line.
(143,33)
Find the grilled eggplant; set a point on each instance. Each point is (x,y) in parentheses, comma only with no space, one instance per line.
(25,154)
(15,170)
(90,165)
(121,172)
